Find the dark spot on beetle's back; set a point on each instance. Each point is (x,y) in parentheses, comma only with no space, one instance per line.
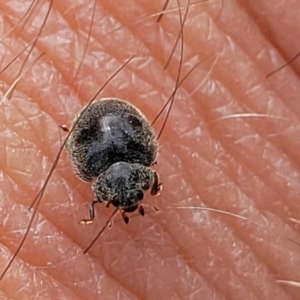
(134,121)
(87,132)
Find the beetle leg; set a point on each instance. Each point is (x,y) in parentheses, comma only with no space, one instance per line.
(157,187)
(91,213)
(125,217)
(141,210)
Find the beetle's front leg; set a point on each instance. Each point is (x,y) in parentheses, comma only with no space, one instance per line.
(91,213)
(157,186)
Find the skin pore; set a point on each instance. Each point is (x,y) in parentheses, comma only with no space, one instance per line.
(231,144)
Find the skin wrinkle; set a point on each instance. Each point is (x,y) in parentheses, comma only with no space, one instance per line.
(63,72)
(11,174)
(122,283)
(57,278)
(214,134)
(276,33)
(186,257)
(14,171)
(258,20)
(289,293)
(138,32)
(198,271)
(262,135)
(280,144)
(240,159)
(98,259)
(34,142)
(37,279)
(31,94)
(176,246)
(192,268)
(187,168)
(280,147)
(31,128)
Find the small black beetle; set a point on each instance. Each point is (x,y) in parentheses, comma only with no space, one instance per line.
(113,142)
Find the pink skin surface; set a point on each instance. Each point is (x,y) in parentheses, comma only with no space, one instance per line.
(231,144)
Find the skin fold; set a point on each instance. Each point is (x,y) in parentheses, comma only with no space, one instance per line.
(231,144)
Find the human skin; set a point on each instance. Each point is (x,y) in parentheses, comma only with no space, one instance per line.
(230,144)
